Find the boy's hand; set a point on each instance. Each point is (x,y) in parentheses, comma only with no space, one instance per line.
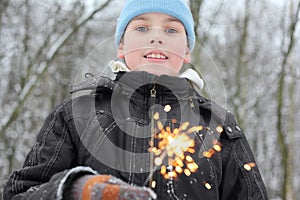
(106,187)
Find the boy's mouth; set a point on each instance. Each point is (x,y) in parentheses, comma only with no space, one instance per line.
(153,55)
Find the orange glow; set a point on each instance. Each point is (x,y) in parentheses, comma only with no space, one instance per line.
(178,146)
(187,172)
(207,185)
(249,166)
(219,129)
(175,147)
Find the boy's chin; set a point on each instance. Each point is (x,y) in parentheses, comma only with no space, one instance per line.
(158,70)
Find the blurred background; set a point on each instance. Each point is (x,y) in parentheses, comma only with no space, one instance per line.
(247,53)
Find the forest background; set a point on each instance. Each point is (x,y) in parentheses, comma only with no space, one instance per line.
(247,52)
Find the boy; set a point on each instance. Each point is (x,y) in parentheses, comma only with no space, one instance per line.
(148,128)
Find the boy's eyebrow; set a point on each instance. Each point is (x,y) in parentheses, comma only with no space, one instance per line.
(169,19)
(140,18)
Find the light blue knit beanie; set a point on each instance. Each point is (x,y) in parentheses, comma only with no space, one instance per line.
(175,8)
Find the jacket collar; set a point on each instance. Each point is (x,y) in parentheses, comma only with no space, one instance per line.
(138,84)
(142,84)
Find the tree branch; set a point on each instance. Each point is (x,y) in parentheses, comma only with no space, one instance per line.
(43,66)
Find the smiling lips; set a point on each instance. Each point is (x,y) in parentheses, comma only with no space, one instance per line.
(156,56)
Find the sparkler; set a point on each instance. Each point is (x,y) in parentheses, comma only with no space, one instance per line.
(176,147)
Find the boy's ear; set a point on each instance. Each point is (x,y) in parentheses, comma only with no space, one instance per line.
(120,52)
(187,57)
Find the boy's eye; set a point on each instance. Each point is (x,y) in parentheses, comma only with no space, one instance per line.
(171,30)
(142,29)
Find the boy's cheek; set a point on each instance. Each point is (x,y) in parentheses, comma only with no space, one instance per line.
(120,53)
(133,43)
(187,58)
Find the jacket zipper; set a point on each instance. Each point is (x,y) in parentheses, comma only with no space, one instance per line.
(153,92)
(152,102)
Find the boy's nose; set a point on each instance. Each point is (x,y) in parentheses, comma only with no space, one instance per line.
(153,41)
(156,36)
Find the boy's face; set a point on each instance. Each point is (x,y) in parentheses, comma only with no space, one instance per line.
(155,43)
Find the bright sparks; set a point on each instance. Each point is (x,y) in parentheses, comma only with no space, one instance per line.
(217,147)
(175,147)
(249,166)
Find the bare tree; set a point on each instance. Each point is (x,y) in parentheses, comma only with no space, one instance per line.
(43,65)
(237,53)
(282,135)
(31,52)
(244,44)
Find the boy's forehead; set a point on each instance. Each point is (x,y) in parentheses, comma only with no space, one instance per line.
(161,16)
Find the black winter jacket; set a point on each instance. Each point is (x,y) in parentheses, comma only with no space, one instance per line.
(109,131)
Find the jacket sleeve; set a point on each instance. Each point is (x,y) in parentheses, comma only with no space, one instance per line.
(52,154)
(241,178)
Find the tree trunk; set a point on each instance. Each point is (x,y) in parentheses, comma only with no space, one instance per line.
(242,70)
(195,6)
(282,137)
